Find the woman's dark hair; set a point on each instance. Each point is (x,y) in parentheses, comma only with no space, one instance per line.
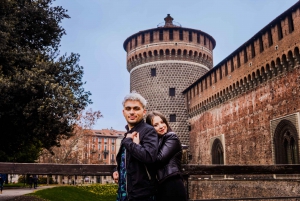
(151,115)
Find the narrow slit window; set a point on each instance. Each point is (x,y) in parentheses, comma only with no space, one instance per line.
(153,72)
(171,91)
(172,117)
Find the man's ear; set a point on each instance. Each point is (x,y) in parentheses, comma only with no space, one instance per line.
(145,111)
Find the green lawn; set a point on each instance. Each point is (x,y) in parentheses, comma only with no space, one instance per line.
(81,193)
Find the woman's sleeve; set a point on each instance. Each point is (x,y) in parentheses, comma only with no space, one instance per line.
(171,145)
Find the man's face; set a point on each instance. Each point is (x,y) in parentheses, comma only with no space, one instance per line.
(133,112)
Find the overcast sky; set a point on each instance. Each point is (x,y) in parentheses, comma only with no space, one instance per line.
(98,28)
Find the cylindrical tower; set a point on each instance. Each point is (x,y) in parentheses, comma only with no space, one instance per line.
(164,61)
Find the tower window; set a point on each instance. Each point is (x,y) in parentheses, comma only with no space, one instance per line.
(151,36)
(180,34)
(135,41)
(171,34)
(171,91)
(161,34)
(153,72)
(198,38)
(143,38)
(190,36)
(172,117)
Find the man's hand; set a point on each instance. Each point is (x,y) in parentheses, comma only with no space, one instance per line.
(134,136)
(136,139)
(116,177)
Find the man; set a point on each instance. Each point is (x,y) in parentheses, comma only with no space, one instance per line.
(135,171)
(35,181)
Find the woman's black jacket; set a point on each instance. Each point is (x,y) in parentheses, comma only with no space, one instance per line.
(169,156)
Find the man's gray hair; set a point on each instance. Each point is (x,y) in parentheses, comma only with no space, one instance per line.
(134,96)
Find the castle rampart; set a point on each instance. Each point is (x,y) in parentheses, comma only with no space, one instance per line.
(249,102)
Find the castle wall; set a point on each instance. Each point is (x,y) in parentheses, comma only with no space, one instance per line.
(238,99)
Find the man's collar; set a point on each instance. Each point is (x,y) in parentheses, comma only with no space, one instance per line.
(133,128)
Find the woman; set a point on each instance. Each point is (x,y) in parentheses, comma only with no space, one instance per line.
(168,160)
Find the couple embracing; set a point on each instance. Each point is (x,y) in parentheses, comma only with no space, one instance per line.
(149,159)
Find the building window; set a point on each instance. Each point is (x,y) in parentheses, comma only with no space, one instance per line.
(112,148)
(153,72)
(161,34)
(252,50)
(217,152)
(171,91)
(99,146)
(270,37)
(151,36)
(279,30)
(261,44)
(285,142)
(291,23)
(172,117)
(135,41)
(231,65)
(180,34)
(143,38)
(171,34)
(238,60)
(99,157)
(105,140)
(245,55)
(190,36)
(198,38)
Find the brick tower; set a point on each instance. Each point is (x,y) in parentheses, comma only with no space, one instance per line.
(164,61)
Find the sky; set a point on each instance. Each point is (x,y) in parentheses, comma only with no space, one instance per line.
(98,28)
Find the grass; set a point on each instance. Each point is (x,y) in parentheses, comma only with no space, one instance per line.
(81,193)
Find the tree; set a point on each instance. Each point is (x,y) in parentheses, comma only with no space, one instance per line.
(72,150)
(41,94)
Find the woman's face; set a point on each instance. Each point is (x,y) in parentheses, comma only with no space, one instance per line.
(159,125)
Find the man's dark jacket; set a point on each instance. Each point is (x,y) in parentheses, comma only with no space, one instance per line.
(140,159)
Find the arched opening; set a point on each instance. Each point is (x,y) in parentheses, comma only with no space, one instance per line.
(286,148)
(155,52)
(217,152)
(167,52)
(161,53)
(150,54)
(184,52)
(173,52)
(190,53)
(179,52)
